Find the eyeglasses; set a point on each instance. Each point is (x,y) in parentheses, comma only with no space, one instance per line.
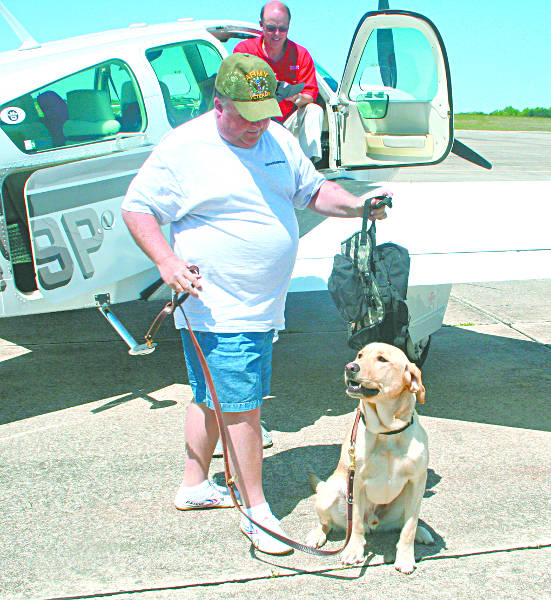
(274,28)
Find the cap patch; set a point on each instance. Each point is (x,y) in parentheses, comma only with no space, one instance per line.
(258,84)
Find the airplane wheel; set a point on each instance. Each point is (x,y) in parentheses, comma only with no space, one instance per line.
(418,352)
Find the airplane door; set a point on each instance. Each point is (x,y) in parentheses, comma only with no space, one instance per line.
(395,103)
(79,241)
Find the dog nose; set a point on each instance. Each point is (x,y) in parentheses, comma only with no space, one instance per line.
(352,367)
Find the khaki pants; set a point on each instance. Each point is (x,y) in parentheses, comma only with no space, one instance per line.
(305,124)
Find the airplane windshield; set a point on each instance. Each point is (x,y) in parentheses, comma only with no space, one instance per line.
(327,77)
(186,74)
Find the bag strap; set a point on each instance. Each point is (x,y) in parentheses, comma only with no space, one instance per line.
(381,201)
(365,221)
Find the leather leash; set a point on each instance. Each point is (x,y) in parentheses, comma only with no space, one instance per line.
(170,308)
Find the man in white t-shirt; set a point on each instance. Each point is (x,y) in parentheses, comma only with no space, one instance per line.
(228,183)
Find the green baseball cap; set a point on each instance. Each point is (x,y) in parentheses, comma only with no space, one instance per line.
(250,82)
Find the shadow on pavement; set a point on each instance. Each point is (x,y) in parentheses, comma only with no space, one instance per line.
(469,377)
(286,484)
(75,358)
(488,379)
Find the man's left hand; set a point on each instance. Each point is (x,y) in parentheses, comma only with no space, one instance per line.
(300,100)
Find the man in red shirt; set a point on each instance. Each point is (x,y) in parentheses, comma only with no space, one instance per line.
(293,64)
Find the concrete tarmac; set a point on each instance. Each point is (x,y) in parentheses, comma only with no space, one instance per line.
(514,155)
(91,445)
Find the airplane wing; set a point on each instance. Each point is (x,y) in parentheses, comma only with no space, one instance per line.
(455,232)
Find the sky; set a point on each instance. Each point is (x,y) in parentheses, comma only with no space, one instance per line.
(499,51)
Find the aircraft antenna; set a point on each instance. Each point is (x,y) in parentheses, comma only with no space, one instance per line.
(27,40)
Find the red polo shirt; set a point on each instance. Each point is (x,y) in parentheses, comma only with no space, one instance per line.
(295,66)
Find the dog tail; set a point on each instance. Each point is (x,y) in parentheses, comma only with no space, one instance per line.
(314,481)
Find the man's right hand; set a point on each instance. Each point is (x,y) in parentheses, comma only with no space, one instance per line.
(148,235)
(177,274)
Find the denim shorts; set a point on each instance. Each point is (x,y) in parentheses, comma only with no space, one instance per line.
(240,365)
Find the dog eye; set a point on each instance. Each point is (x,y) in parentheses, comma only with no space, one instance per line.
(381,358)
(359,355)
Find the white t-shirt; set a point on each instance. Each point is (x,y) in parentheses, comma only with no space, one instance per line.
(232,214)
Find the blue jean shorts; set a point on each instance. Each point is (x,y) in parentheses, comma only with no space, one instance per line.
(240,364)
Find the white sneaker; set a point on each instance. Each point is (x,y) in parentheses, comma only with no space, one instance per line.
(266,442)
(215,496)
(225,492)
(260,539)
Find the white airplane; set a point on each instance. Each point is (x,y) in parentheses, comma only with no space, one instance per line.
(79,116)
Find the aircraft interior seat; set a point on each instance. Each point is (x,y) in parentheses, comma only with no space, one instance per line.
(386,145)
(90,115)
(176,116)
(131,118)
(55,114)
(206,87)
(30,133)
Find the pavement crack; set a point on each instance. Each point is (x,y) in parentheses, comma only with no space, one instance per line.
(287,571)
(497,318)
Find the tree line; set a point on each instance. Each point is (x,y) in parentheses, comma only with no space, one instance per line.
(510,111)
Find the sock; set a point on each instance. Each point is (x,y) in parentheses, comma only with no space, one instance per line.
(196,491)
(223,488)
(259,511)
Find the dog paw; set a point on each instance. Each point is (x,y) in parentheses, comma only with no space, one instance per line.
(353,554)
(405,567)
(405,562)
(423,536)
(316,538)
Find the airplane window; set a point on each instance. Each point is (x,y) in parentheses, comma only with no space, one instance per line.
(21,121)
(398,62)
(210,60)
(186,74)
(88,106)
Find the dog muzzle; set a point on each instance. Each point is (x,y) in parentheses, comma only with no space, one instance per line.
(353,387)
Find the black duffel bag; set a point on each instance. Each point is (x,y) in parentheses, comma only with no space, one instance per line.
(369,284)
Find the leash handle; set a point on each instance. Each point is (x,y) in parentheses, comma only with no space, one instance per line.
(167,309)
(230,480)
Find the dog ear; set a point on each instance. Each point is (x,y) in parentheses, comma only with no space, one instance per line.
(414,381)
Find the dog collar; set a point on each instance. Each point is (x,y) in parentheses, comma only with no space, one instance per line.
(390,432)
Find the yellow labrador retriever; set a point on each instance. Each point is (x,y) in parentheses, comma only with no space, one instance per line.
(391,458)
